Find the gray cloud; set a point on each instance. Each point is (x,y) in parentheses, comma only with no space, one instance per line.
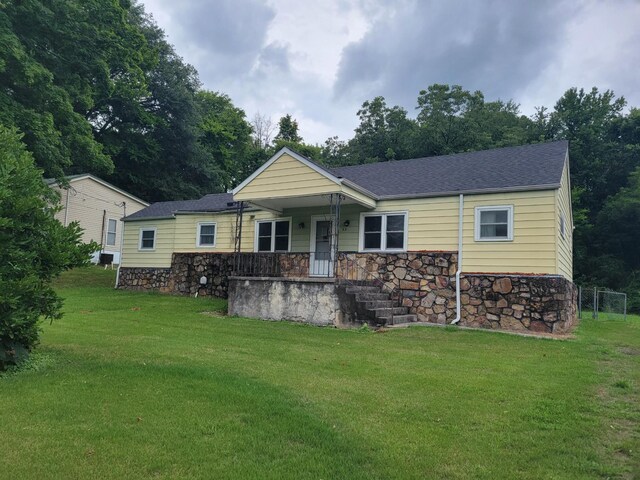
(492,46)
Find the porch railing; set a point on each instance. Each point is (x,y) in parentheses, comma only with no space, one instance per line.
(257,265)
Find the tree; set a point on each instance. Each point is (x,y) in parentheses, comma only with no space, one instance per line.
(288,130)
(35,249)
(262,131)
(384,133)
(62,64)
(226,138)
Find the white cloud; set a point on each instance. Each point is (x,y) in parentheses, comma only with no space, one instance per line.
(320,60)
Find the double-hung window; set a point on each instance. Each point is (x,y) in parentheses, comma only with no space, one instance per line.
(147,239)
(112,225)
(206,234)
(383,232)
(494,224)
(273,236)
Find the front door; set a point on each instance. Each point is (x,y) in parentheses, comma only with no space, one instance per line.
(321,265)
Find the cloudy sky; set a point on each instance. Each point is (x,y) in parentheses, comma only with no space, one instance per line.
(319,60)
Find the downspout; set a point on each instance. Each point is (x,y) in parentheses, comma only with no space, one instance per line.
(458,306)
(66,207)
(124,213)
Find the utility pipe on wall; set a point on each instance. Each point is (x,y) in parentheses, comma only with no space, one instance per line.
(459,270)
(124,214)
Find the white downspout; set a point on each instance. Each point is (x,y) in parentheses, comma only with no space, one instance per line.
(66,208)
(124,209)
(458,306)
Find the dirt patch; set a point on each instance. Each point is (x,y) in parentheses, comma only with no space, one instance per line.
(214,313)
(630,351)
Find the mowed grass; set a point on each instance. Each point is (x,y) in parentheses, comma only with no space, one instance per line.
(135,385)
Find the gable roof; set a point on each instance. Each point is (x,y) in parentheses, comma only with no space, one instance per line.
(527,167)
(73,178)
(215,202)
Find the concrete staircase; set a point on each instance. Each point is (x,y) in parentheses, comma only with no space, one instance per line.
(375,307)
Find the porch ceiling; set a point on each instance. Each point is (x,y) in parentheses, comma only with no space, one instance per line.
(279,204)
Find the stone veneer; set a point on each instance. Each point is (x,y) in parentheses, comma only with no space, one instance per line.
(539,303)
(422,281)
(143,278)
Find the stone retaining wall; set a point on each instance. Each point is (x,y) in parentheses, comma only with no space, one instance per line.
(139,278)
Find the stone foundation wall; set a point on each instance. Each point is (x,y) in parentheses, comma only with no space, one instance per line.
(539,303)
(138,278)
(188,268)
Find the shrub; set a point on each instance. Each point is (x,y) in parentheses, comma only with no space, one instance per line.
(34,249)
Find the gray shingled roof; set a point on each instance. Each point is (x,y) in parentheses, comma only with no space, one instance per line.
(525,167)
(215,202)
(513,168)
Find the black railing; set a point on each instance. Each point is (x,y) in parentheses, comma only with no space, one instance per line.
(257,265)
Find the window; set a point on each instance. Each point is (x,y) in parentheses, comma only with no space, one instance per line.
(147,239)
(384,232)
(273,236)
(562,225)
(111,231)
(494,224)
(206,235)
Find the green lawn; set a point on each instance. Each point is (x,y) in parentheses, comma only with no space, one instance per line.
(135,385)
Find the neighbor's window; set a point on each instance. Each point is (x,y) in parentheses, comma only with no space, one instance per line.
(147,238)
(206,234)
(384,232)
(111,231)
(273,236)
(494,223)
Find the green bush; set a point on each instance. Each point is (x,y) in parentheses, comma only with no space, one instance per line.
(34,249)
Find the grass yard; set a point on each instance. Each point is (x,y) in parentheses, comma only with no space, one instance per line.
(135,385)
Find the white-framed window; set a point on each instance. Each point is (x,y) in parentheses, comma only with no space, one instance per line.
(383,232)
(562,225)
(112,226)
(206,234)
(494,223)
(273,235)
(147,239)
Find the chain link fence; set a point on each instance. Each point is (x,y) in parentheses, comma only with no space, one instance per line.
(600,303)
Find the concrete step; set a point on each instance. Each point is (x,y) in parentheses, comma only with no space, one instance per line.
(368,297)
(403,319)
(389,311)
(375,304)
(357,289)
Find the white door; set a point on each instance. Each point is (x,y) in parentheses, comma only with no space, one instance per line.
(320,265)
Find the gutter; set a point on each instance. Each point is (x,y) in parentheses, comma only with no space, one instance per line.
(458,306)
(402,196)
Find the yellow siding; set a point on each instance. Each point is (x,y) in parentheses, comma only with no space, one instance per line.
(132,256)
(87,203)
(187,227)
(286,177)
(565,245)
(433,222)
(533,248)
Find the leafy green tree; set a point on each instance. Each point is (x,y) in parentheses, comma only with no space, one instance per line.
(288,130)
(384,133)
(35,249)
(64,63)
(226,137)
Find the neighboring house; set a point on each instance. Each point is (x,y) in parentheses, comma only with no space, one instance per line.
(99,208)
(458,238)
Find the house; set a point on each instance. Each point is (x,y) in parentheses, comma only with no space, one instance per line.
(481,239)
(99,208)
